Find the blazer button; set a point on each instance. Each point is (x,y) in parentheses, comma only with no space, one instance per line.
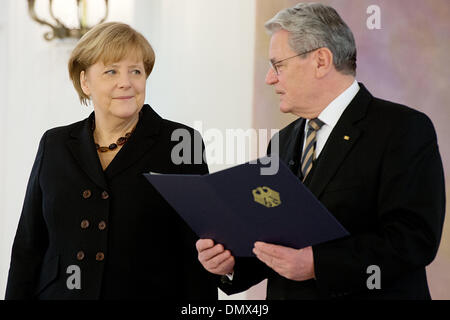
(87,194)
(80,255)
(105,195)
(102,225)
(84,224)
(100,256)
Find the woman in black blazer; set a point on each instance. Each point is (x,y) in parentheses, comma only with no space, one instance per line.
(92,227)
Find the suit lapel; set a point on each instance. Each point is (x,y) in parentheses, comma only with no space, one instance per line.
(142,139)
(81,145)
(341,140)
(290,151)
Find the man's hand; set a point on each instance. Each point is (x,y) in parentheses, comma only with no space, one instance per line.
(290,263)
(214,258)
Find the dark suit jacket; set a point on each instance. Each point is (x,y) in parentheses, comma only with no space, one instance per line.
(149,252)
(385,185)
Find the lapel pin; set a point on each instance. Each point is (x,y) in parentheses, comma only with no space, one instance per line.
(347,138)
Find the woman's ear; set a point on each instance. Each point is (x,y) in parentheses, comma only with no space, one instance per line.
(84,83)
(324,62)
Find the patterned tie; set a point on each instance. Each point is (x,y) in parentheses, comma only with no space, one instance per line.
(309,153)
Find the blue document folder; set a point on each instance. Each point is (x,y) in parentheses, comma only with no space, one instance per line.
(238,206)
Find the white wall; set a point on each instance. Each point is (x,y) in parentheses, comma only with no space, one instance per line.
(204,67)
(204,71)
(204,60)
(4,239)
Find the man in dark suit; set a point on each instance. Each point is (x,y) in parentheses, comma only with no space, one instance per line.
(374,164)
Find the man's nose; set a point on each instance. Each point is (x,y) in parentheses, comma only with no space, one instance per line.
(271,77)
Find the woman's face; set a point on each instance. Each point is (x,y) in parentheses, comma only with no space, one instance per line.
(116,89)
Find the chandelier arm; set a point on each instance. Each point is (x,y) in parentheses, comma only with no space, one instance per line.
(60,30)
(79,15)
(49,36)
(52,14)
(34,16)
(106,12)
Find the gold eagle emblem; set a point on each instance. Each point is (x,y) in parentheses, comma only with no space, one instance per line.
(266,196)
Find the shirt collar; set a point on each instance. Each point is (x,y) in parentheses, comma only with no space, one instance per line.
(331,114)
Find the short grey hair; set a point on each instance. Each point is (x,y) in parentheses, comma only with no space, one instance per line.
(314,25)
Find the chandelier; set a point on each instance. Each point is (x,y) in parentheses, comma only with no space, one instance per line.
(59,30)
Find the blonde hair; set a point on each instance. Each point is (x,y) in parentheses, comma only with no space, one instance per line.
(108,42)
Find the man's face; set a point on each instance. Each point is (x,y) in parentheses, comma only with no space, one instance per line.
(295,78)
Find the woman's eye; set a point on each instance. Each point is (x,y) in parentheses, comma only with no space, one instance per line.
(137,72)
(110,72)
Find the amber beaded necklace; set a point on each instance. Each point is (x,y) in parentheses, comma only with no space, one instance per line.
(120,142)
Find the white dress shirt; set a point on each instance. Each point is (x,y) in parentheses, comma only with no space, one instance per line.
(330,116)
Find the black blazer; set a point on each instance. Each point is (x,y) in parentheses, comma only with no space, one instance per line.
(126,240)
(385,185)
